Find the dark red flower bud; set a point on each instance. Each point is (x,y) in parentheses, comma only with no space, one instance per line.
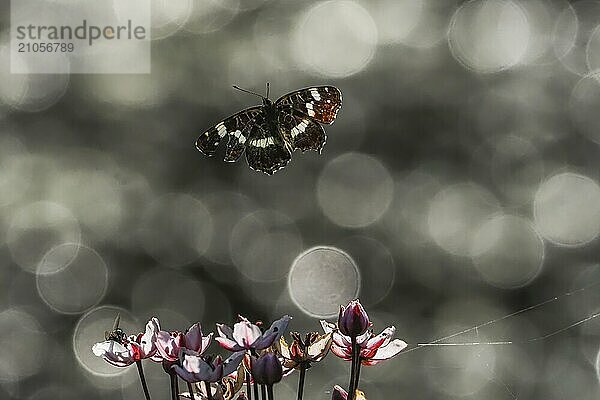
(353,320)
(267,369)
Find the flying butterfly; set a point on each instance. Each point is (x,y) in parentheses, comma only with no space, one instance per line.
(270,132)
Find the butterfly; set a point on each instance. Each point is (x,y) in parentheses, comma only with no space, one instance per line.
(270,132)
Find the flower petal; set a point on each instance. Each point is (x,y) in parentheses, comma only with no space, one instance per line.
(193,337)
(185,374)
(328,327)
(320,347)
(147,341)
(194,368)
(113,353)
(339,393)
(206,342)
(245,333)
(274,332)
(342,352)
(167,345)
(224,331)
(380,340)
(362,339)
(228,344)
(231,364)
(341,340)
(392,349)
(283,348)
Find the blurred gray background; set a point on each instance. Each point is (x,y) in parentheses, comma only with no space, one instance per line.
(459,184)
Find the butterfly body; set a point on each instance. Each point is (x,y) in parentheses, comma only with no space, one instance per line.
(269,133)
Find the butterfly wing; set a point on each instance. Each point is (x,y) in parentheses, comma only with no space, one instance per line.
(320,103)
(237,128)
(265,149)
(299,130)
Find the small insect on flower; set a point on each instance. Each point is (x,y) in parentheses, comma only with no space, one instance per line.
(117,334)
(269,133)
(121,350)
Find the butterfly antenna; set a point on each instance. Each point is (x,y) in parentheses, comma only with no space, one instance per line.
(116,323)
(268,87)
(247,91)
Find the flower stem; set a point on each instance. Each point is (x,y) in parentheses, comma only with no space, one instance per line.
(301,381)
(270,390)
(248,386)
(174,394)
(142,379)
(191,390)
(263,391)
(352,371)
(209,395)
(356,378)
(255,390)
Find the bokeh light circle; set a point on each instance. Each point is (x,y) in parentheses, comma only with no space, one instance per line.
(75,287)
(395,19)
(32,92)
(575,27)
(584,104)
(263,244)
(211,15)
(597,365)
(94,197)
(376,265)
(455,214)
(321,279)
(593,51)
(176,229)
(37,228)
(24,345)
(542,16)
(462,370)
(489,35)
(567,209)
(335,38)
(90,329)
(169,16)
(354,190)
(494,255)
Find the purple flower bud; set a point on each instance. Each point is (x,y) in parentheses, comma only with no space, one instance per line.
(267,369)
(353,320)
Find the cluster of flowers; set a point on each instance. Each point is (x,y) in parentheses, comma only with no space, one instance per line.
(258,360)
